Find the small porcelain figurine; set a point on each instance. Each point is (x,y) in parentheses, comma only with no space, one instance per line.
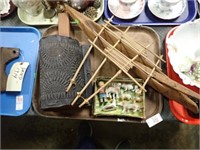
(102,94)
(119,98)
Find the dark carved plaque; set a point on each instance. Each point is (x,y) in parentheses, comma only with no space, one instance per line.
(59,59)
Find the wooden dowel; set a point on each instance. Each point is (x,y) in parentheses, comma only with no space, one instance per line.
(108,44)
(127,62)
(112,47)
(123,65)
(133,41)
(136,49)
(123,69)
(120,65)
(96,92)
(151,74)
(164,79)
(117,58)
(72,81)
(169,92)
(91,79)
(138,66)
(135,64)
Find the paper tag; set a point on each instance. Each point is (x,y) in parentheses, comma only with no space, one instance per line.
(154,120)
(16,76)
(120,120)
(19,102)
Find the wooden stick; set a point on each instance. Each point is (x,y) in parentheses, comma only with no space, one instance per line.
(123,69)
(108,44)
(96,92)
(125,57)
(118,41)
(72,81)
(63,24)
(119,59)
(133,41)
(164,79)
(91,79)
(151,74)
(114,46)
(80,93)
(117,51)
(144,57)
(169,92)
(132,61)
(87,100)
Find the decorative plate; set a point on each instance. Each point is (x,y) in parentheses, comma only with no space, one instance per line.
(125,11)
(180,112)
(184,52)
(172,13)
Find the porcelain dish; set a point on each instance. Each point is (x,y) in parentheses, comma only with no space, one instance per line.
(36,20)
(184,52)
(172,13)
(178,110)
(11,9)
(41,20)
(126,12)
(100,11)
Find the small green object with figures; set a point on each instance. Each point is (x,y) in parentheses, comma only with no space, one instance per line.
(121,97)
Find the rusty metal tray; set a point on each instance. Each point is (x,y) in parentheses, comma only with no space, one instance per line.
(153,102)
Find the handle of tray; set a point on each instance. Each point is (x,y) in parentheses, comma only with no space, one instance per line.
(63,24)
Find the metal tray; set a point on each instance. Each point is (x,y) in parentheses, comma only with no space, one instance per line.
(27,40)
(147,18)
(178,110)
(153,99)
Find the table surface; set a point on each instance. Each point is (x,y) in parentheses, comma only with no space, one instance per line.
(13,20)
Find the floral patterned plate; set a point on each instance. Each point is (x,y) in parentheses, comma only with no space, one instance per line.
(171,13)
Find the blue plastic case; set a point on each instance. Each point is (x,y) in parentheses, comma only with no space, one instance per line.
(27,40)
